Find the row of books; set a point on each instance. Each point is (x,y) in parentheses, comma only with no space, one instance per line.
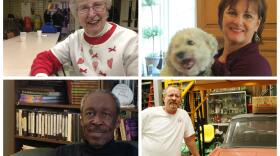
(46,92)
(78,88)
(46,99)
(49,124)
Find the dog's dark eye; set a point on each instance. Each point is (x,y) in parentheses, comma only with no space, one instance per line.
(190,42)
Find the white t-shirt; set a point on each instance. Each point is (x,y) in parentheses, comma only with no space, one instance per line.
(162,133)
(115,54)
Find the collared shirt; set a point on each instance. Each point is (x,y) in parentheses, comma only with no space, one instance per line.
(246,61)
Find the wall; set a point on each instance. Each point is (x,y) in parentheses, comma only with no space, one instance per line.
(9,117)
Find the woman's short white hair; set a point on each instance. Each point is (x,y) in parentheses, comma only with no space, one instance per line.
(74,6)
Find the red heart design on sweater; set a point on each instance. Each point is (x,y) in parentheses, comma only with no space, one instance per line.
(80,61)
(95,64)
(110,63)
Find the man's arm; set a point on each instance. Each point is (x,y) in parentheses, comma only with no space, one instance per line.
(190,142)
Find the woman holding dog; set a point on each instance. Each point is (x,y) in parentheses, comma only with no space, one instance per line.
(242,23)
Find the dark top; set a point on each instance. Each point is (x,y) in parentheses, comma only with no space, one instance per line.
(110,149)
(245,61)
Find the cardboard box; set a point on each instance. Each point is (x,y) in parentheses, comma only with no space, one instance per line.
(264,104)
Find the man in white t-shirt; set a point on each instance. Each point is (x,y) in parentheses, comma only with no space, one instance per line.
(164,127)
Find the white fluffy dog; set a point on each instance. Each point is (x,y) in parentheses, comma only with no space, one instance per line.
(190,53)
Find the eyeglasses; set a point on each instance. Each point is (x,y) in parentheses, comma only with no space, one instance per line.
(84,9)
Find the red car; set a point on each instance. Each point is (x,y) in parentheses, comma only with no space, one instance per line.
(250,135)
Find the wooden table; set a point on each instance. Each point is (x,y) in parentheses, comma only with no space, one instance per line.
(18,55)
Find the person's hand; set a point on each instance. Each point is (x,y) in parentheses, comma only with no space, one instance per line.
(41,75)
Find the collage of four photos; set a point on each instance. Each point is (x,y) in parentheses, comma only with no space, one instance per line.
(139,77)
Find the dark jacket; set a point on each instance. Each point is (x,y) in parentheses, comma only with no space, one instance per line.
(111,149)
(245,61)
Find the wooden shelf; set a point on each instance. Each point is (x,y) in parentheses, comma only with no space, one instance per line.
(43,140)
(62,106)
(131,109)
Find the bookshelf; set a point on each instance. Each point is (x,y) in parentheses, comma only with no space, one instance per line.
(57,111)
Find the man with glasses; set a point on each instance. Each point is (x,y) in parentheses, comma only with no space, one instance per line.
(99,117)
(101,48)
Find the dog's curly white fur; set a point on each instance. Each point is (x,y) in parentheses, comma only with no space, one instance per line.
(190,53)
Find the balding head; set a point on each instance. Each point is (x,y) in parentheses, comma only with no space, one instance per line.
(172,99)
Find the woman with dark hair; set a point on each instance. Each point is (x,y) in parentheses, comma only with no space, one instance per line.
(242,23)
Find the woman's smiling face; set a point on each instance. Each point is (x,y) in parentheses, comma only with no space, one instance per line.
(92,15)
(240,22)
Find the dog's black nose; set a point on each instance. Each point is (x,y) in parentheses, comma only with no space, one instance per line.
(180,54)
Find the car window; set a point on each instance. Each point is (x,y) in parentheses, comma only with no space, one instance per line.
(260,132)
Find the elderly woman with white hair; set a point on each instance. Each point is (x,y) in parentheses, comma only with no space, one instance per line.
(100,48)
